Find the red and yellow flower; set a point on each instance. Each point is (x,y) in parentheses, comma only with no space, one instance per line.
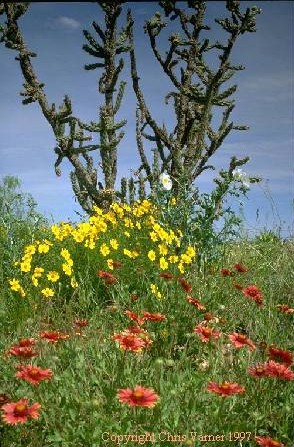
(138,397)
(19,412)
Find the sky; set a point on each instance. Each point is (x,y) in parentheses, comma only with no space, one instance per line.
(264,102)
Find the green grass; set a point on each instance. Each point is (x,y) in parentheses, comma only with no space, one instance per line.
(79,403)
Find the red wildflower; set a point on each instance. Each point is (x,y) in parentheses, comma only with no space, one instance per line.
(133,316)
(116,264)
(22,351)
(53,336)
(280,355)
(225,389)
(253,293)
(185,285)
(240,340)
(266,441)
(166,275)
(206,333)
(138,397)
(278,370)
(285,308)
(237,286)
(108,277)
(26,342)
(227,272)
(195,303)
(153,317)
(19,412)
(208,316)
(33,374)
(81,322)
(240,268)
(258,371)
(129,341)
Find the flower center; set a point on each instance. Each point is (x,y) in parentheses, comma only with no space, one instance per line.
(138,394)
(34,372)
(242,337)
(20,410)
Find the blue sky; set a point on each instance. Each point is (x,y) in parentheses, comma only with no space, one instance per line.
(264,101)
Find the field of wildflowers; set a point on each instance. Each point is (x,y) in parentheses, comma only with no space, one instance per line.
(111,334)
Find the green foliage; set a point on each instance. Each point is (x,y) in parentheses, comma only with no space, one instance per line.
(19,220)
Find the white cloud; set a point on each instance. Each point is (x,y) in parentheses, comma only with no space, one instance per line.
(68,22)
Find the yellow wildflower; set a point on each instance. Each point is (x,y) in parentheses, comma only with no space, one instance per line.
(163,263)
(151,255)
(173,259)
(74,283)
(104,250)
(53,276)
(114,244)
(47,293)
(162,249)
(14,285)
(67,269)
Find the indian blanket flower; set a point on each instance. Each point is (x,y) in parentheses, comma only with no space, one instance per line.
(166,275)
(195,303)
(185,285)
(26,342)
(227,272)
(253,293)
(258,371)
(266,441)
(129,341)
(107,277)
(153,317)
(19,412)
(81,322)
(240,340)
(26,352)
(237,286)
(206,333)
(279,370)
(33,374)
(240,268)
(133,316)
(280,355)
(53,336)
(285,308)
(225,389)
(138,397)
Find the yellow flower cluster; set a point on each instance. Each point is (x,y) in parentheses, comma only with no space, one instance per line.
(124,231)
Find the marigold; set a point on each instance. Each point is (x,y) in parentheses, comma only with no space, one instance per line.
(225,389)
(195,303)
(253,293)
(206,333)
(266,441)
(53,336)
(33,374)
(280,355)
(240,340)
(138,397)
(19,412)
